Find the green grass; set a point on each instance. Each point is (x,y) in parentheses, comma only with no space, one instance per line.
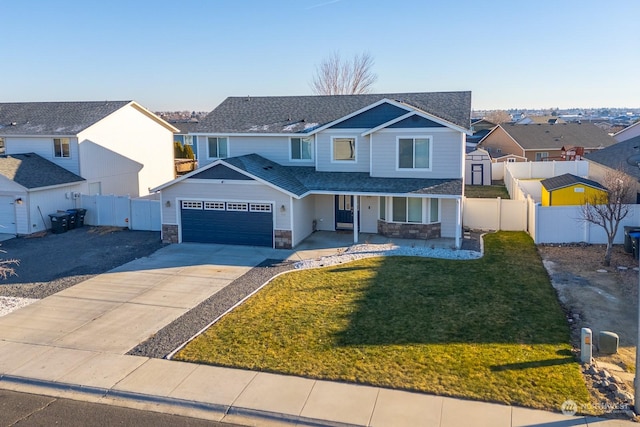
(488,329)
(486,191)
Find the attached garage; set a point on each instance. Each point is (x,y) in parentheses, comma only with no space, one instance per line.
(224,222)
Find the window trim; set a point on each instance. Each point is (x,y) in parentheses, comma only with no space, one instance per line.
(218,138)
(3,146)
(61,156)
(355,149)
(301,138)
(425,210)
(414,138)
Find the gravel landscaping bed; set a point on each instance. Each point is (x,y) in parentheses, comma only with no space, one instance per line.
(53,262)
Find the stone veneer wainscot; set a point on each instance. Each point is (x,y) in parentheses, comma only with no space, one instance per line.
(409,231)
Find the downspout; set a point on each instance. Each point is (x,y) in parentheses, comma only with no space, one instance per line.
(459,223)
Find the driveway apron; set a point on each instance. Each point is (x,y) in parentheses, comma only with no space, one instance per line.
(115,311)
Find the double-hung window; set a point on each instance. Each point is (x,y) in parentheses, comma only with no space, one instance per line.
(301,148)
(61,147)
(541,155)
(218,147)
(344,149)
(414,153)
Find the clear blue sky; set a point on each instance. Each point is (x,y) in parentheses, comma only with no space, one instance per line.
(190,54)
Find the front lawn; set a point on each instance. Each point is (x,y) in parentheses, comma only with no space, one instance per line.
(488,329)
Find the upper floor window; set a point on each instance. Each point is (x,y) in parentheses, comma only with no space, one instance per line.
(61,147)
(2,147)
(414,153)
(344,149)
(188,139)
(300,148)
(218,147)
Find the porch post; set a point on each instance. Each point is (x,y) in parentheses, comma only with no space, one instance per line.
(356,209)
(458,222)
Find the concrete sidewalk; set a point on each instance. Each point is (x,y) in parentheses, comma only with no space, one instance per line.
(73,345)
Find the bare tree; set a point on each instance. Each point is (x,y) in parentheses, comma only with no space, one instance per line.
(606,209)
(498,117)
(336,76)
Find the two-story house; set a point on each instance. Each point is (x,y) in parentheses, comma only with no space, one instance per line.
(118,147)
(51,152)
(275,169)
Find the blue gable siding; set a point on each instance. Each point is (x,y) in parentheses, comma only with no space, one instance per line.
(372,118)
(416,122)
(221,172)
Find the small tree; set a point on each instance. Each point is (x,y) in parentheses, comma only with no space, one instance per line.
(335,76)
(188,152)
(178,150)
(606,209)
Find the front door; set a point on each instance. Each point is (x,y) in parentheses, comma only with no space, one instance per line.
(344,212)
(477,174)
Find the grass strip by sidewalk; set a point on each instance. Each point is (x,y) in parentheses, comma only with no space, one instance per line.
(488,329)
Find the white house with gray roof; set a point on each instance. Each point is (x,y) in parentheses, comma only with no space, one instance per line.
(274,169)
(118,147)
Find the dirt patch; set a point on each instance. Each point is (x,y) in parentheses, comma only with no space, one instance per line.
(602,299)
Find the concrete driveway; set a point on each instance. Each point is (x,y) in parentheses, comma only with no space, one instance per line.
(115,311)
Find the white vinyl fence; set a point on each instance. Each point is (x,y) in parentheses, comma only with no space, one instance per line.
(495,214)
(122,211)
(563,224)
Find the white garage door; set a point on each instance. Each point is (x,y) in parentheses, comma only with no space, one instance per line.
(7,215)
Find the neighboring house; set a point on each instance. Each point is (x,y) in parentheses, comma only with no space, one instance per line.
(478,168)
(628,132)
(275,169)
(540,142)
(623,156)
(568,189)
(117,147)
(31,188)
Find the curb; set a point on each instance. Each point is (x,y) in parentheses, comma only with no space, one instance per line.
(255,414)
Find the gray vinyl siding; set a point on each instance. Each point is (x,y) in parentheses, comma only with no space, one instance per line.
(446,153)
(324,151)
(448,217)
(274,148)
(303,216)
(229,191)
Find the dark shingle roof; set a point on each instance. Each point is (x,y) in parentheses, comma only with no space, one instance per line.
(554,137)
(53,118)
(300,180)
(294,114)
(622,156)
(567,180)
(32,171)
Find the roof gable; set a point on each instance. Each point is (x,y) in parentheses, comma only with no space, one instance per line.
(619,156)
(372,117)
(305,114)
(32,171)
(220,171)
(568,180)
